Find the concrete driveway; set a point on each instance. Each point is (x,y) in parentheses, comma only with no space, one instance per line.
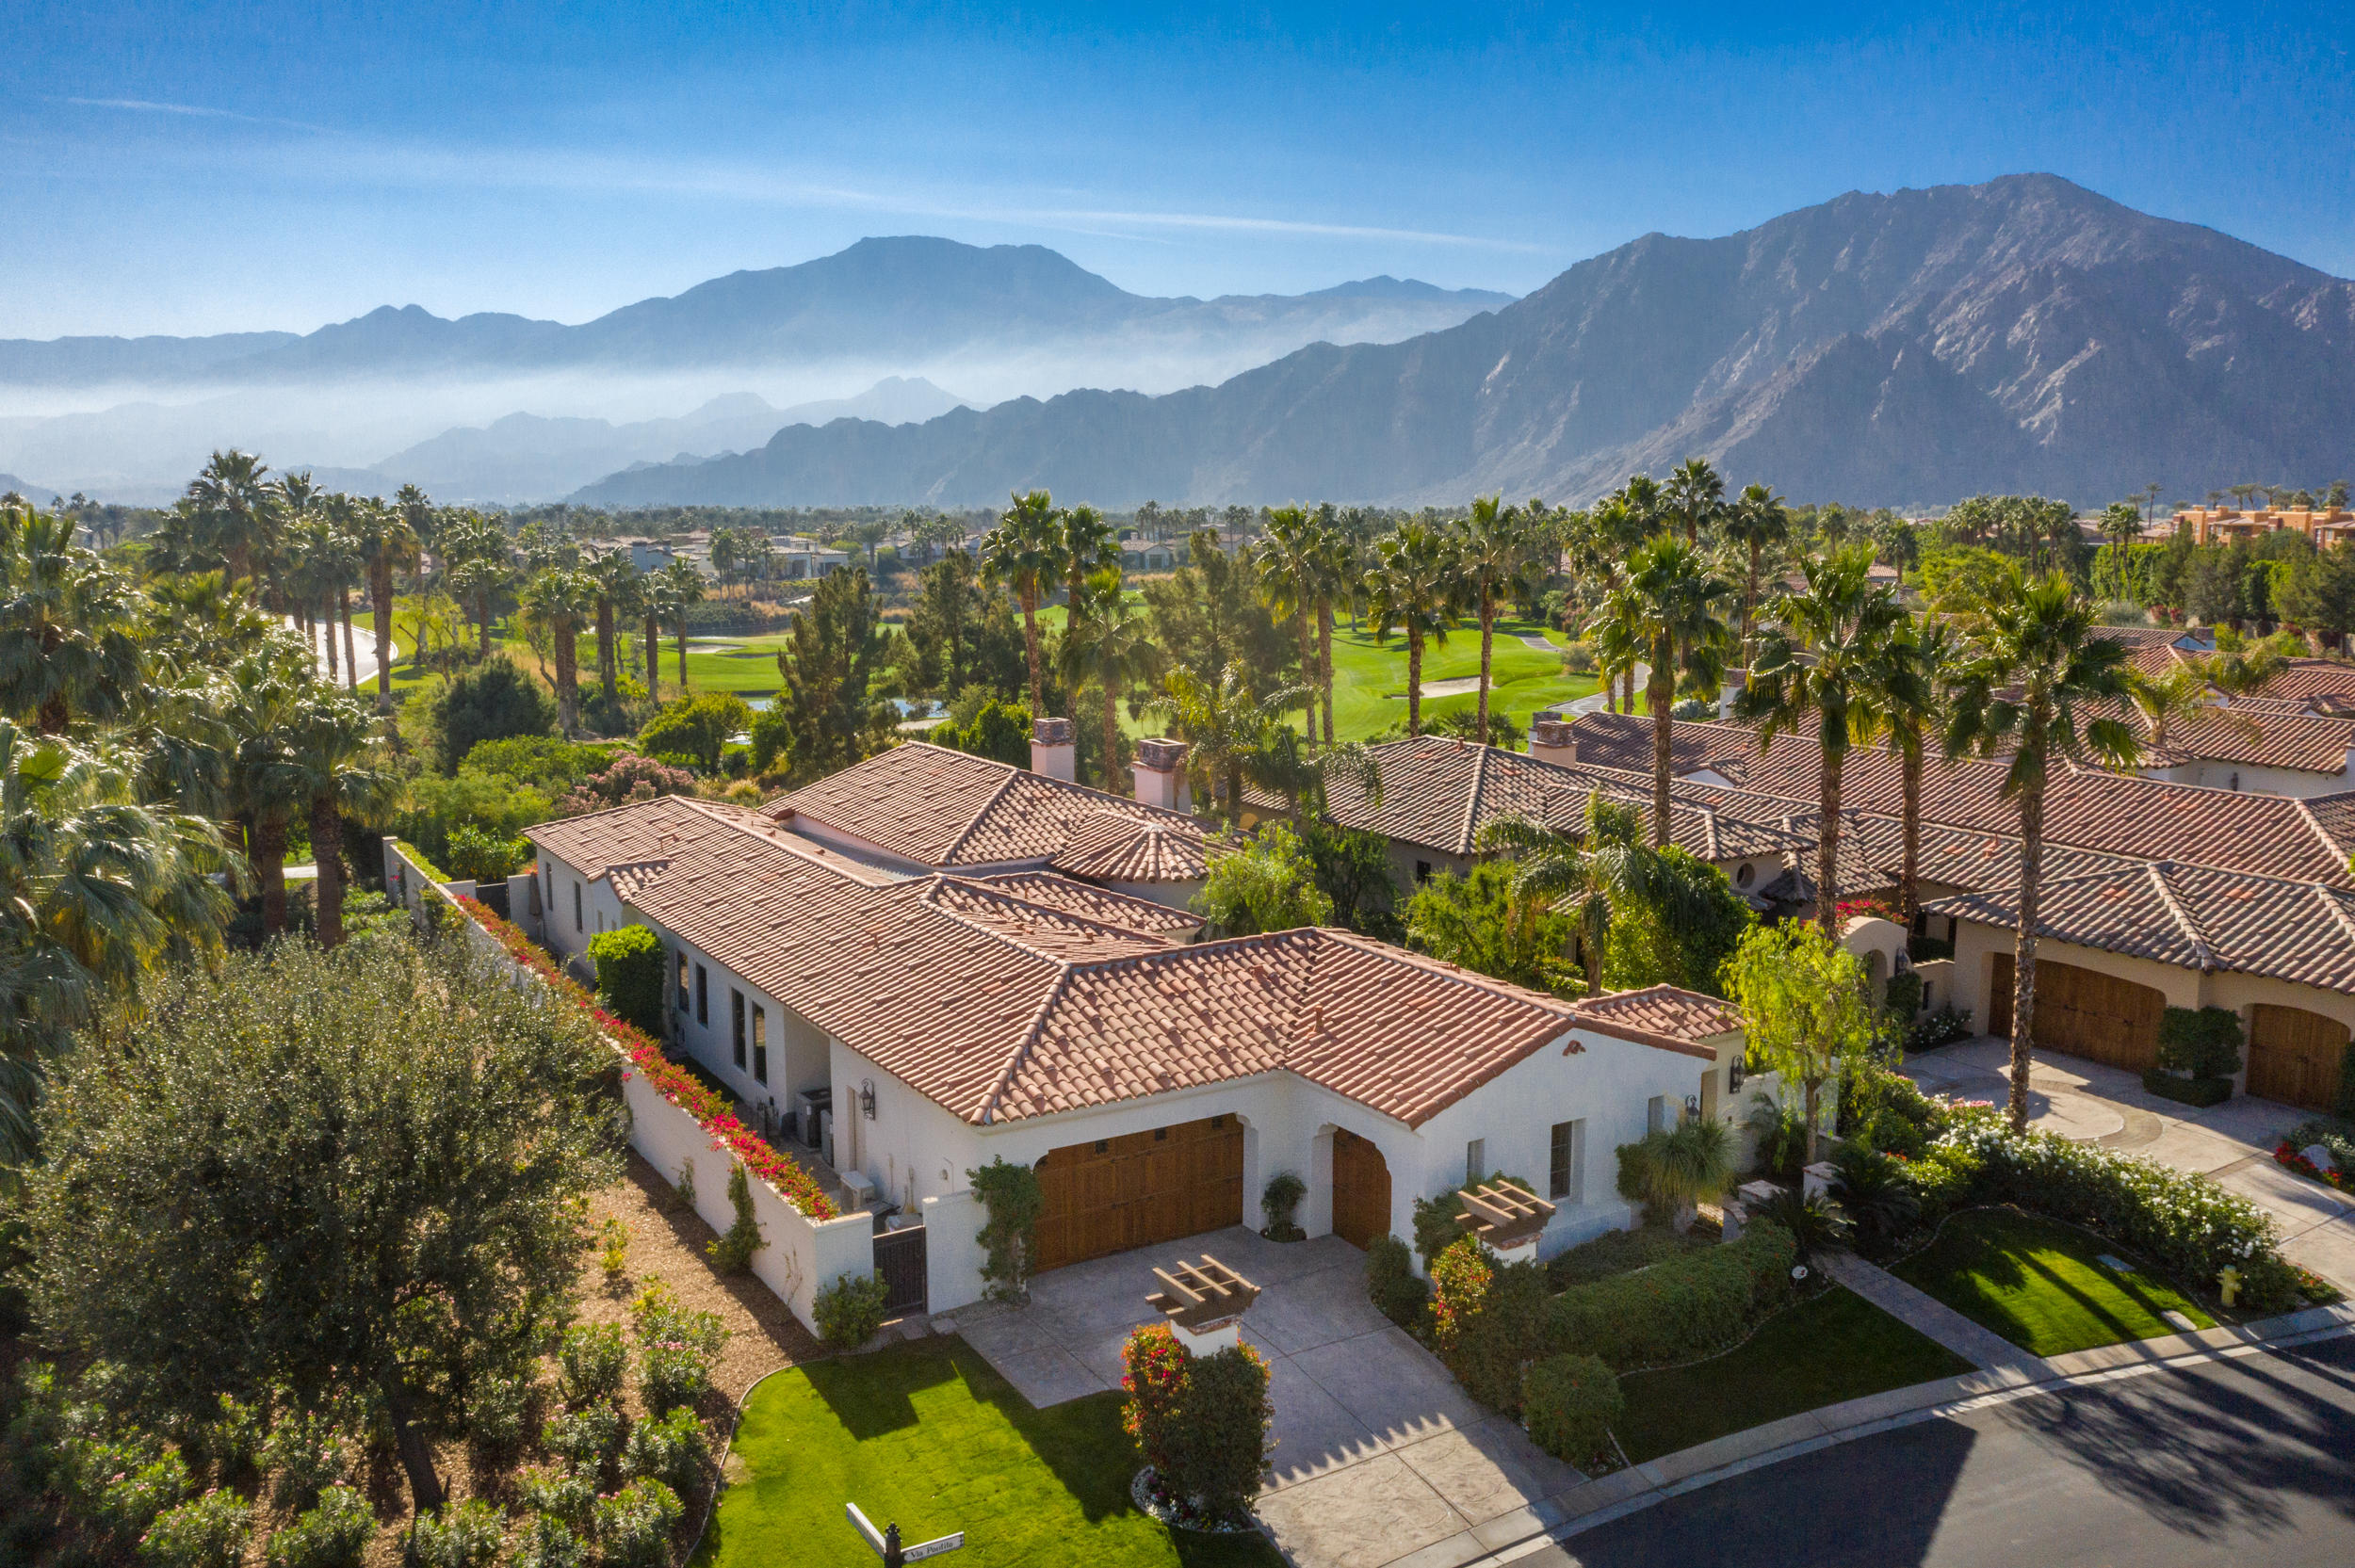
(2232,1142)
(1379,1455)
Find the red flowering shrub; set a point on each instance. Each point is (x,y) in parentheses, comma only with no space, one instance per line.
(2287,1155)
(667,1078)
(1459,1284)
(1153,1373)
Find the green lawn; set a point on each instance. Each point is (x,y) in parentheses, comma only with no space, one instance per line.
(747,664)
(1835,1346)
(2036,1282)
(927,1435)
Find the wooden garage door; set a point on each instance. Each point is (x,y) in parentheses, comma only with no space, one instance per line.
(2295,1055)
(2086,1014)
(1361,1189)
(1135,1191)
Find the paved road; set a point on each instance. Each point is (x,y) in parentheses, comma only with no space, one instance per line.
(2245,1461)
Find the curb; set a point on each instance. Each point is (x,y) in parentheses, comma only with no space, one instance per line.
(1599,1502)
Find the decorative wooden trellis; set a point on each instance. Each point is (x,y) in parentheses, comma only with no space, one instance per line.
(1199,1297)
(1503,1216)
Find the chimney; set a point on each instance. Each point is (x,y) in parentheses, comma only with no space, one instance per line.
(1160,772)
(1550,741)
(1053,751)
(1730,693)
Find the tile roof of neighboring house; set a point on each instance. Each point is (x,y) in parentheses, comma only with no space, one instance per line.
(1442,792)
(1671,1016)
(643,830)
(944,809)
(1120,847)
(2307,679)
(2256,738)
(1000,998)
(2195,916)
(1092,904)
(2302,839)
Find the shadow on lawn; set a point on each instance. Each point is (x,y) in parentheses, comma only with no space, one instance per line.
(1998,1254)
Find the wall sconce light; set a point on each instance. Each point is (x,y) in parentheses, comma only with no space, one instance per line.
(1733,1077)
(867,1098)
(1692,1107)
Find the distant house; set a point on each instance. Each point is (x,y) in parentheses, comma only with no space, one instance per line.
(1140,555)
(2222,525)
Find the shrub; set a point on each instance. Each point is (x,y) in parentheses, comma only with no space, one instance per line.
(2336,1135)
(1677,1310)
(232,1442)
(2202,1043)
(1459,1283)
(1874,1193)
(332,1535)
(1012,1196)
(2188,1092)
(1569,1402)
(498,1411)
(677,1349)
(546,1542)
(304,1454)
(629,966)
(733,1252)
(1279,1202)
(1615,1253)
(36,1429)
(589,1440)
(633,1525)
(494,700)
(1942,1180)
(613,1248)
(555,1492)
(466,1535)
(696,727)
(1781,1138)
(1928,949)
(850,1311)
(206,1532)
(590,1364)
(1495,1340)
(1903,998)
(1397,1291)
(672,1450)
(1153,1374)
(120,1488)
(482,856)
(625,780)
(1219,1441)
(1672,1169)
(1813,1220)
(1941,1026)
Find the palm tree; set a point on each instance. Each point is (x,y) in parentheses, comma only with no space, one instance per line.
(69,644)
(1756,522)
(1287,560)
(615,577)
(2035,673)
(1416,586)
(388,543)
(1495,547)
(235,516)
(1671,608)
(1590,873)
(476,560)
(1225,723)
(2242,670)
(1025,553)
(656,603)
(2121,525)
(334,768)
(1696,496)
(1923,654)
(1828,655)
(1112,643)
(95,888)
(2164,699)
(266,695)
(682,588)
(561,603)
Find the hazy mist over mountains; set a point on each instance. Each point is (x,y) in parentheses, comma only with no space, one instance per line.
(389,391)
(1903,349)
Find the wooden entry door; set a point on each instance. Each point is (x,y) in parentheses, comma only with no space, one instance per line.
(2085,1012)
(1139,1191)
(1361,1189)
(2295,1055)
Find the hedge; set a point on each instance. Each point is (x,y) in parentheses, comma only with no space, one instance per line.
(1679,1310)
(416,858)
(630,975)
(1570,1403)
(1398,1292)
(1488,1320)
(2188,1092)
(2187,1224)
(2200,1043)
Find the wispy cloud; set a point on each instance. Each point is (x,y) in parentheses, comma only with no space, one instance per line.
(194,111)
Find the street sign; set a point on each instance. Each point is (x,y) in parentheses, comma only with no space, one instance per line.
(884,1542)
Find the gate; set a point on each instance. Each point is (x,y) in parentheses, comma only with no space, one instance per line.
(900,1259)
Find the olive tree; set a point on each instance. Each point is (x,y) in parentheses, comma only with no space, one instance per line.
(355,1174)
(1806,1011)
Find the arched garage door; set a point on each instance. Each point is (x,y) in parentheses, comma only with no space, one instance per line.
(2295,1056)
(1361,1188)
(2085,1012)
(1135,1191)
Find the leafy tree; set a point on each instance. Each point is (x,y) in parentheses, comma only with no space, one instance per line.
(1805,1013)
(1682,925)
(1828,657)
(369,1161)
(491,701)
(960,635)
(2039,683)
(1025,553)
(831,665)
(1210,614)
(697,726)
(1588,876)
(1352,868)
(1267,885)
(1478,921)
(998,730)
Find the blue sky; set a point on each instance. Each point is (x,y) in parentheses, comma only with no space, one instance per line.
(208,167)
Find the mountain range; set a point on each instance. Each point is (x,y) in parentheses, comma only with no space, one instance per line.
(2023,334)
(910,300)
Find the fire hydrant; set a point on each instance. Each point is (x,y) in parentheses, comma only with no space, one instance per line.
(2229,1283)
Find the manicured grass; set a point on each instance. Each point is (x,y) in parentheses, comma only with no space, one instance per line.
(747,665)
(1835,1346)
(1370,679)
(2035,1282)
(927,1435)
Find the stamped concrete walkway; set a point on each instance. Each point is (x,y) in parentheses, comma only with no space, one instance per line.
(2232,1142)
(1379,1458)
(1926,1314)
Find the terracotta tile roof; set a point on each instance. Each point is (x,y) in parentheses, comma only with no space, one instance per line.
(1002,999)
(2306,839)
(2306,679)
(1442,792)
(1093,903)
(2256,738)
(2194,916)
(1121,847)
(641,833)
(946,809)
(1665,1014)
